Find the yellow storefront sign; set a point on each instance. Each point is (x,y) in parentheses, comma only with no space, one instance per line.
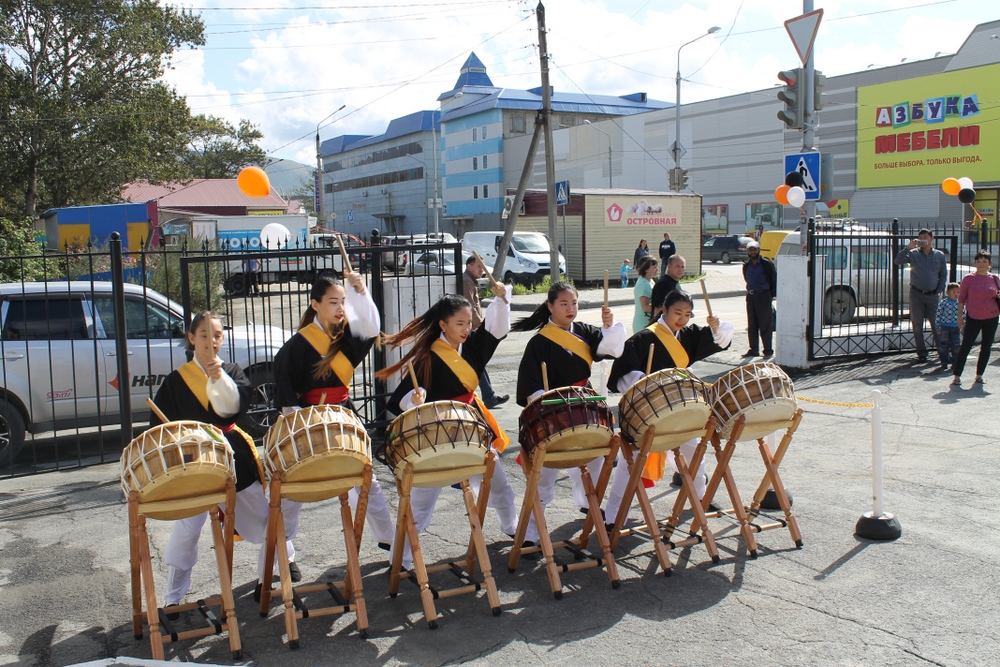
(636,212)
(924,130)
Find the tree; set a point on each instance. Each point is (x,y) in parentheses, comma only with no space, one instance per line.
(219,150)
(82,109)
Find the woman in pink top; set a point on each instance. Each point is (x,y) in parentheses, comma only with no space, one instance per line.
(980,314)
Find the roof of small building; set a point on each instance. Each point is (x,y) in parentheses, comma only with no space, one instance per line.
(200,192)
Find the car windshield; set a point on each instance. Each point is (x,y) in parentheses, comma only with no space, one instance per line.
(535,243)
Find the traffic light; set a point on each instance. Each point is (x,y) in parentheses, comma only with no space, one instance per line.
(819,83)
(673,179)
(792,96)
(682,185)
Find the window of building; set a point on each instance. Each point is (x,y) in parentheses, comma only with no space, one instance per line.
(474,134)
(486,192)
(484,133)
(484,162)
(475,164)
(517,123)
(475,192)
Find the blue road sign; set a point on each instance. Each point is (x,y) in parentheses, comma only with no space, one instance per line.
(562,193)
(350,215)
(807,164)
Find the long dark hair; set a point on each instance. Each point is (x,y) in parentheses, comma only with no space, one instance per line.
(422,332)
(323,284)
(540,317)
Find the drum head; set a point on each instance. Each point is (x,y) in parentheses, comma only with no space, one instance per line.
(442,440)
(761,392)
(673,401)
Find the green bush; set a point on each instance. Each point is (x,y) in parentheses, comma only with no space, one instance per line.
(21,254)
(164,270)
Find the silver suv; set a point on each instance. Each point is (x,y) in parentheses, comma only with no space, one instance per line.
(59,365)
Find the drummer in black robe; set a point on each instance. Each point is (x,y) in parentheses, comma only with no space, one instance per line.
(448,358)
(676,344)
(208,390)
(568,348)
(316,366)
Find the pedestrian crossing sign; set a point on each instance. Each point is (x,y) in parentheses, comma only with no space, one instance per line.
(808,166)
(562,193)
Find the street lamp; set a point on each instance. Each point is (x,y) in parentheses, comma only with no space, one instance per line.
(320,176)
(610,186)
(677,108)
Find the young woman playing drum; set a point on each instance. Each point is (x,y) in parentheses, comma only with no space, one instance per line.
(208,390)
(448,358)
(317,364)
(676,344)
(568,348)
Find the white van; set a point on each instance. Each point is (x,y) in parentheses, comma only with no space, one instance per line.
(527,256)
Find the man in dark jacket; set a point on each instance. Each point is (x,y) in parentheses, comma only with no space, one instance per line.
(667,249)
(762,285)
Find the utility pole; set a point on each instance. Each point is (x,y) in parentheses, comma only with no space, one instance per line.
(550,157)
(808,115)
(434,151)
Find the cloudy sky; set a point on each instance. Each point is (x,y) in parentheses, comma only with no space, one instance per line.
(287,64)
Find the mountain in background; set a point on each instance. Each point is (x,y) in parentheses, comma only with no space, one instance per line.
(288,176)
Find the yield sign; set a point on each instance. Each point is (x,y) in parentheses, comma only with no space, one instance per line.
(802,30)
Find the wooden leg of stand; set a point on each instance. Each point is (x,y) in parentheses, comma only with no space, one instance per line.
(230,531)
(352,582)
(477,536)
(403,487)
(634,486)
(362,511)
(135,563)
(291,625)
(724,472)
(682,494)
(600,487)
(699,512)
(779,455)
(426,596)
(152,617)
(223,562)
(532,473)
(481,505)
(270,540)
(544,539)
(602,533)
(779,491)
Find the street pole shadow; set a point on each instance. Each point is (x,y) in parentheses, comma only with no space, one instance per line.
(836,565)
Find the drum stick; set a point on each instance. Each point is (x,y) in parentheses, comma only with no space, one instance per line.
(343,253)
(322,398)
(489,276)
(157,411)
(704,291)
(649,359)
(413,375)
(545,377)
(605,288)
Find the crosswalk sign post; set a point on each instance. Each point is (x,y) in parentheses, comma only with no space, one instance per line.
(562,193)
(808,166)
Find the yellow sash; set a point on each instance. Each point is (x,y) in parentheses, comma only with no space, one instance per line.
(467,375)
(196,381)
(656,462)
(320,340)
(568,341)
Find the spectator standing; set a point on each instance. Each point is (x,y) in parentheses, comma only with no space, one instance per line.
(676,267)
(762,285)
(623,273)
(667,250)
(928,277)
(640,252)
(949,336)
(253,276)
(978,295)
(470,290)
(643,292)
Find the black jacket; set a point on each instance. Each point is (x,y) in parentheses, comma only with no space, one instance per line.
(770,273)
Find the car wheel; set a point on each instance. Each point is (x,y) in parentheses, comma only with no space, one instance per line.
(262,413)
(726,259)
(237,285)
(508,278)
(839,306)
(11,433)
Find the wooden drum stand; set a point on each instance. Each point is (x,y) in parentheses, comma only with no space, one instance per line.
(406,528)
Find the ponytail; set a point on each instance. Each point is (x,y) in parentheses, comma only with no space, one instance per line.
(540,317)
(422,332)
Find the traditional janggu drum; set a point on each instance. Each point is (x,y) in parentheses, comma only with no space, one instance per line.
(186,462)
(761,392)
(671,400)
(321,443)
(574,424)
(437,437)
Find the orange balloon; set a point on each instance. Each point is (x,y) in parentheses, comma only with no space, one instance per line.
(253,182)
(781,195)
(951,186)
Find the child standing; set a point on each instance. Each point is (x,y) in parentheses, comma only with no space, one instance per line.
(624,273)
(946,326)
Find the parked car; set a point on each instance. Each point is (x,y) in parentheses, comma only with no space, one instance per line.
(770,241)
(436,263)
(725,249)
(398,262)
(59,367)
(528,254)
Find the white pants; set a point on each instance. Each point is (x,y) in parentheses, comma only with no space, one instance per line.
(181,553)
(620,478)
(546,490)
(377,516)
(422,501)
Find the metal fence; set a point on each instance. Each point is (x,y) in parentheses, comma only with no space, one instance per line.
(859,297)
(74,323)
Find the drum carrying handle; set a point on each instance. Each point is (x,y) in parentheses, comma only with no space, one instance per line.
(575,399)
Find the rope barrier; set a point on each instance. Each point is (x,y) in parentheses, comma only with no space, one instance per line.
(837,403)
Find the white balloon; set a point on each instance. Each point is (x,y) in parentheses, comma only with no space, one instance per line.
(796,196)
(274,235)
(966,182)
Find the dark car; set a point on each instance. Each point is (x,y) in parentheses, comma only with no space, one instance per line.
(725,249)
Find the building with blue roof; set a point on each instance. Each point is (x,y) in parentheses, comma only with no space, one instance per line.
(387,181)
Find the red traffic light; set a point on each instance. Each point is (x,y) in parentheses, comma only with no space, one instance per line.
(789,76)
